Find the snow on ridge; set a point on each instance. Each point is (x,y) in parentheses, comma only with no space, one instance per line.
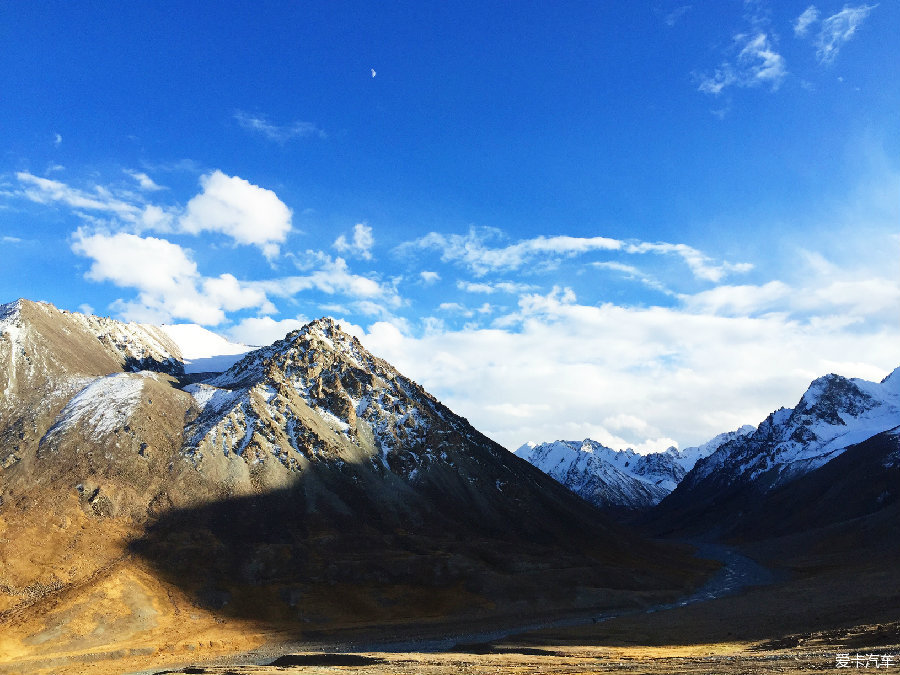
(104,405)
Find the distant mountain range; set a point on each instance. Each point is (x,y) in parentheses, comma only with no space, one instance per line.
(619,479)
(724,485)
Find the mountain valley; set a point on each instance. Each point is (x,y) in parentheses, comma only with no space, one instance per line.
(164,501)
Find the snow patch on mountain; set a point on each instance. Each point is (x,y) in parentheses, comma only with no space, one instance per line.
(11,330)
(104,406)
(203,351)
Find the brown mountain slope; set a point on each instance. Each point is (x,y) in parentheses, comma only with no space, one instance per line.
(310,486)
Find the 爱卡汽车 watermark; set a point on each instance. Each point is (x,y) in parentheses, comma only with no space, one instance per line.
(847,660)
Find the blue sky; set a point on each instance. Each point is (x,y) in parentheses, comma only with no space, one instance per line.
(641,222)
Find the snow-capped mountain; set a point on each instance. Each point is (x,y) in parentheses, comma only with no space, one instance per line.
(619,479)
(835,413)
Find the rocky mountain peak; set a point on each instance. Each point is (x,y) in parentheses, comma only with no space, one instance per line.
(829,397)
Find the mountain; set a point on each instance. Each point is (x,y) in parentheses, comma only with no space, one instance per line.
(619,479)
(747,475)
(310,485)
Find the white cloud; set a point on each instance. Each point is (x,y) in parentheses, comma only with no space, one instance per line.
(167,280)
(756,63)
(144,181)
(632,272)
(497,287)
(429,277)
(46,191)
(630,376)
(57,140)
(361,244)
(275,132)
(809,16)
(333,277)
(700,264)
(264,330)
(837,30)
(247,213)
(744,300)
(473,251)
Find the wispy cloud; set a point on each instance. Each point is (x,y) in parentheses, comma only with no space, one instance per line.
(332,276)
(632,272)
(673,16)
(809,16)
(144,181)
(702,266)
(756,63)
(474,251)
(511,287)
(46,191)
(838,29)
(277,132)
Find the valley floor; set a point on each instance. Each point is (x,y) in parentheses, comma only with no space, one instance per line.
(822,610)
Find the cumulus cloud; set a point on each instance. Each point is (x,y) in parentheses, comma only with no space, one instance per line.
(641,377)
(167,280)
(229,205)
(838,29)
(276,132)
(361,243)
(264,330)
(247,213)
(429,277)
